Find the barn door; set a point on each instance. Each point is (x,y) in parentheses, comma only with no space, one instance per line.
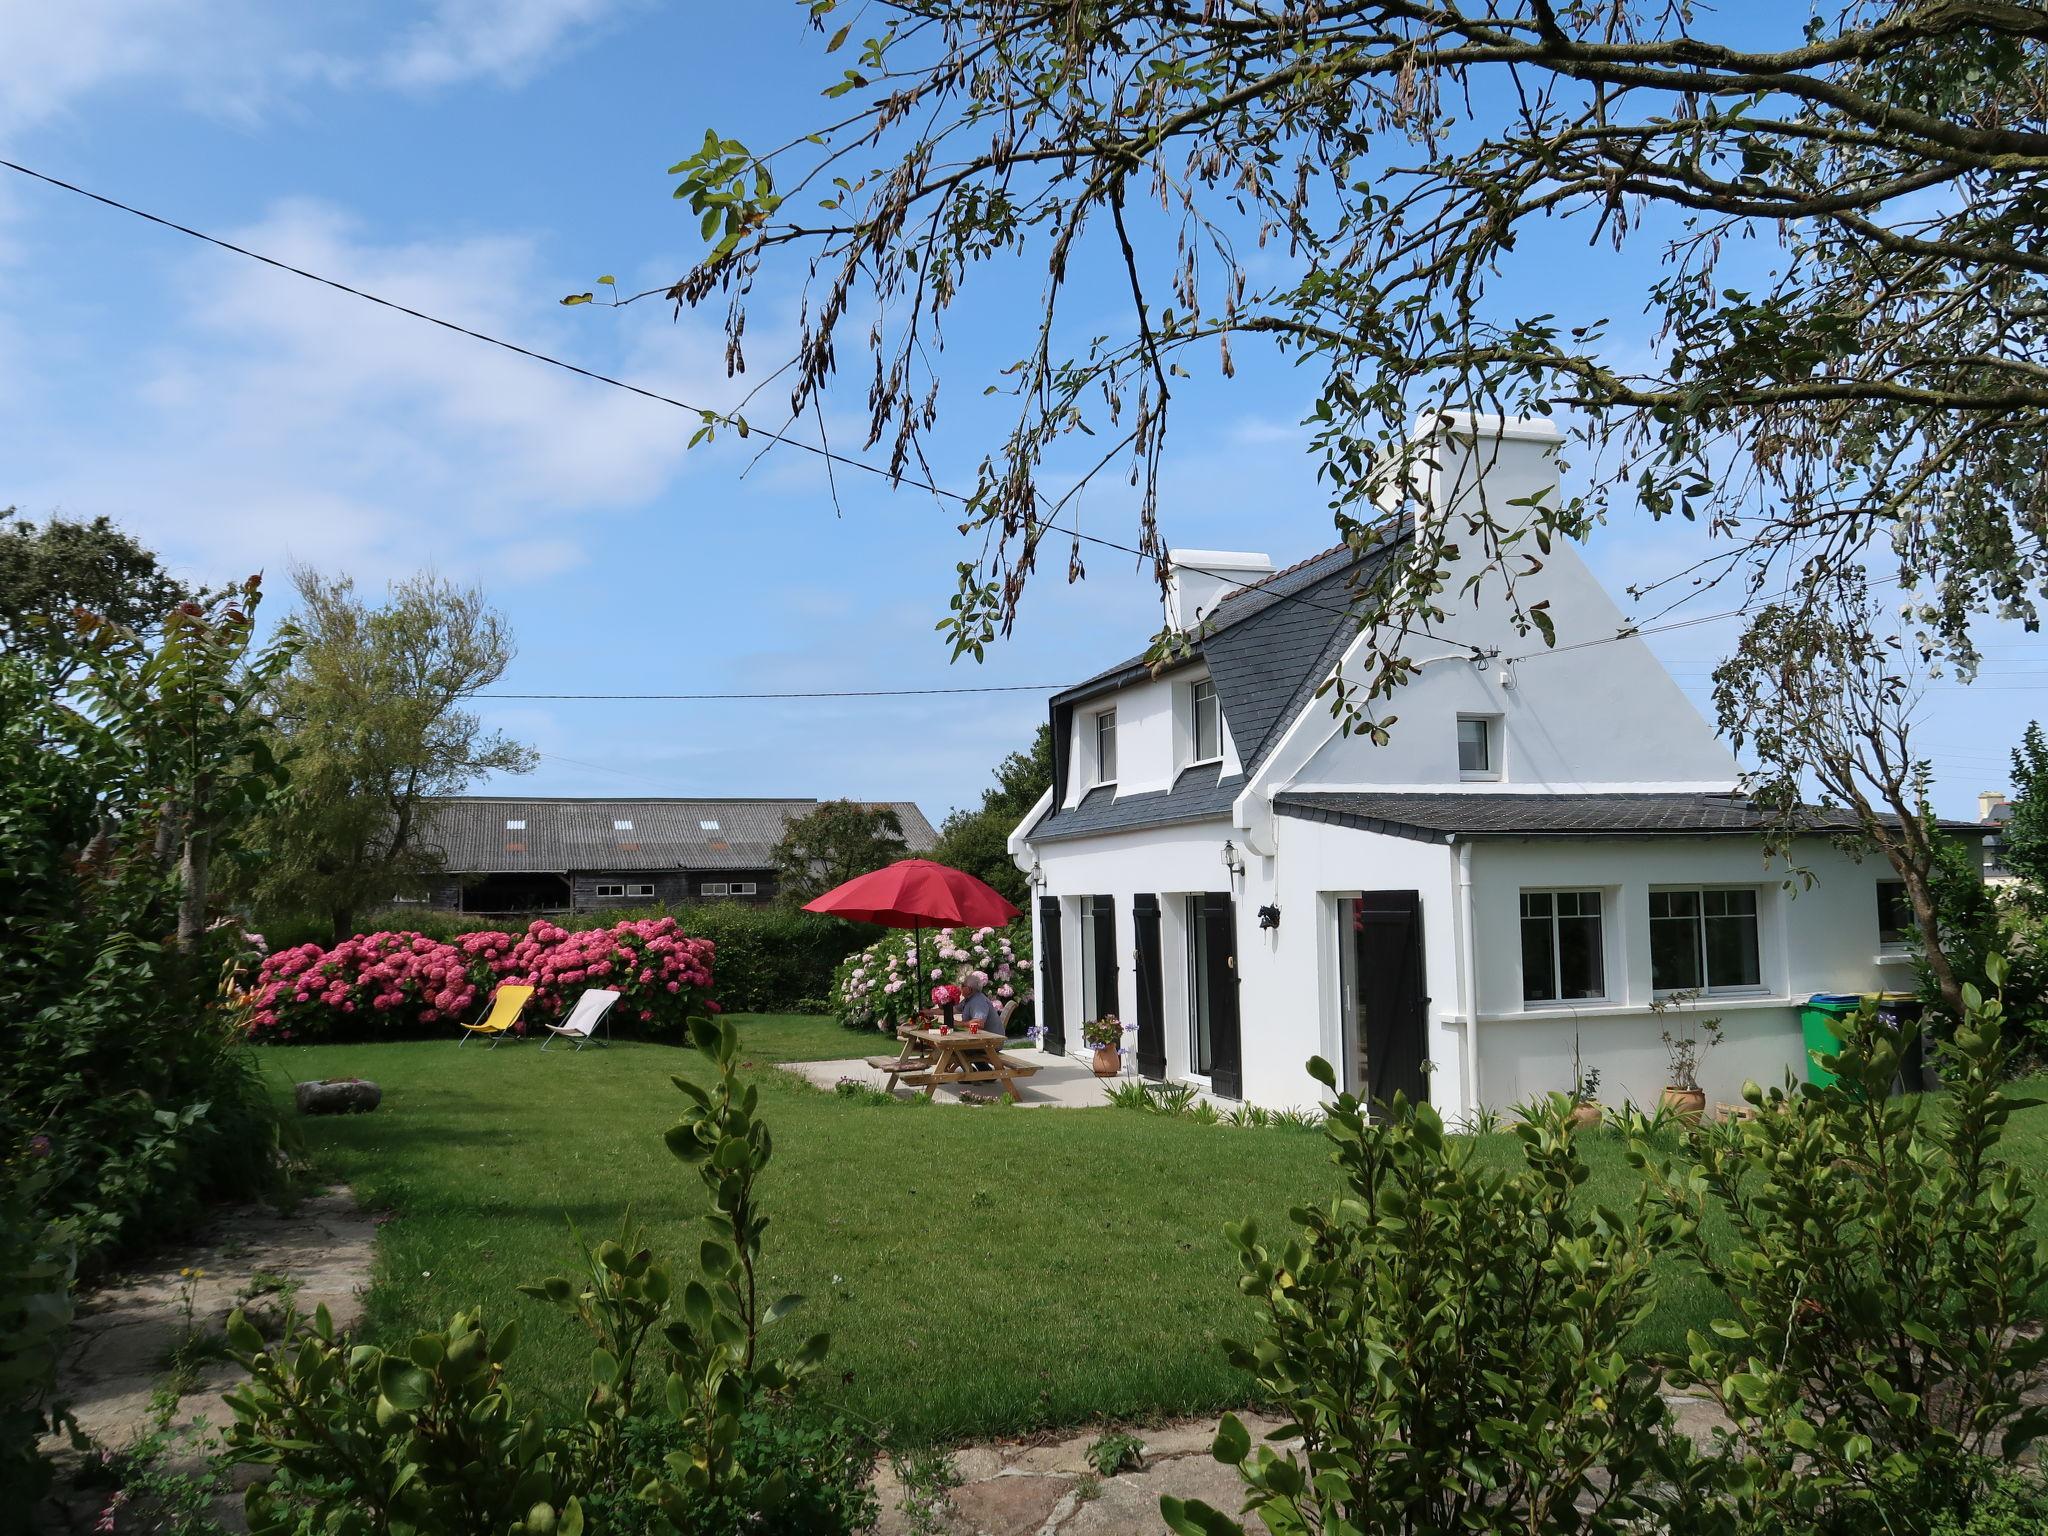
(1391,1006)
(1052,1007)
(1149,976)
(1219,953)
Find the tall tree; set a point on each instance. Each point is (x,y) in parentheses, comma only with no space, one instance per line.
(1845,306)
(978,840)
(50,571)
(840,839)
(1825,692)
(2026,833)
(374,726)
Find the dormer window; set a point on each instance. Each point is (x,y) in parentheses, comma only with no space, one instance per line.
(515,826)
(622,826)
(1205,719)
(1478,747)
(707,826)
(1105,747)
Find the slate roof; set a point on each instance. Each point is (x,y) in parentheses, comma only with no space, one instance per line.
(1268,647)
(561,835)
(1436,817)
(1198,794)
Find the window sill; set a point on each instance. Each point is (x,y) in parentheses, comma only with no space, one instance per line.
(1723,1001)
(1890,956)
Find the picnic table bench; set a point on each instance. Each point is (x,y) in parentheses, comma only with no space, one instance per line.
(934,1058)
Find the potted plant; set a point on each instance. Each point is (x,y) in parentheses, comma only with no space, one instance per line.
(1688,1046)
(1585,1091)
(1106,1034)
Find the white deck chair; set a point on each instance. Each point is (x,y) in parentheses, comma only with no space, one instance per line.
(592,1008)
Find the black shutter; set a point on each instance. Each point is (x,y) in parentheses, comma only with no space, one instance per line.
(1389,939)
(1103,910)
(1150,978)
(1226,1052)
(1052,1008)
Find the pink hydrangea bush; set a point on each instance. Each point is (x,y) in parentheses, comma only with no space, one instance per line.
(384,983)
(878,987)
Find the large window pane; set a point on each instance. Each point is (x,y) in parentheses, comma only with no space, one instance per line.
(1105,747)
(1730,940)
(1475,747)
(1581,969)
(1539,980)
(1895,921)
(1208,720)
(1675,961)
(1090,1003)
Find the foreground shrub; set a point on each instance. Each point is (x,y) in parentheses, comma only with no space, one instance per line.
(384,983)
(1448,1344)
(1883,1280)
(878,987)
(431,1441)
(37,1258)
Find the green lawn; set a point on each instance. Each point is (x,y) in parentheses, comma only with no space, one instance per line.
(993,1270)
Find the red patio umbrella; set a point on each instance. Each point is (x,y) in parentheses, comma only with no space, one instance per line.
(916,894)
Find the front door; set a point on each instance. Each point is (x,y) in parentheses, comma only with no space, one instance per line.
(1052,1009)
(1149,974)
(1389,1009)
(1215,1050)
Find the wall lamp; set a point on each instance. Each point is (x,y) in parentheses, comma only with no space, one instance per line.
(1269,917)
(1037,876)
(1232,859)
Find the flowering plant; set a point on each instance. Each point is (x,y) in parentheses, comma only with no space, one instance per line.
(945,992)
(1104,1033)
(397,981)
(879,987)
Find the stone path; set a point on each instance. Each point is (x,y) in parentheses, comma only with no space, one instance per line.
(116,1375)
(1050,1488)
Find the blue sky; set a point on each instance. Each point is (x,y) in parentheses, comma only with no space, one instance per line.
(480,158)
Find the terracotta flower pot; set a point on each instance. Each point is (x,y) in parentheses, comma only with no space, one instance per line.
(1585,1116)
(1107,1062)
(1686,1103)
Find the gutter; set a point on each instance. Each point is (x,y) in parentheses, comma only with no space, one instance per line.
(1019,841)
(1468,977)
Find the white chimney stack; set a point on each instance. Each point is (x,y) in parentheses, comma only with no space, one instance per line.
(1201,578)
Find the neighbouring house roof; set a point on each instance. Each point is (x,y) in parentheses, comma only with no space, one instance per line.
(1198,794)
(561,835)
(1268,646)
(1438,817)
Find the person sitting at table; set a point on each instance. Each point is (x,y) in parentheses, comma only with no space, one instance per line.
(977,1007)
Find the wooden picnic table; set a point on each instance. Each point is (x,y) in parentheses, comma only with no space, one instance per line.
(935,1058)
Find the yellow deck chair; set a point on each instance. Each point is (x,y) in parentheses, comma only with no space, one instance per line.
(506,1003)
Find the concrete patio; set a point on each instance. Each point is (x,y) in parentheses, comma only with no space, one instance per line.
(1061,1081)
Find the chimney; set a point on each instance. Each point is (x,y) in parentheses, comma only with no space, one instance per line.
(1202,578)
(1989,804)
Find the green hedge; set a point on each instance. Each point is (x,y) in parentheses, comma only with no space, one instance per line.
(770,959)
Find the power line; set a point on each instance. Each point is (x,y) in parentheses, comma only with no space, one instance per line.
(746,429)
(819,693)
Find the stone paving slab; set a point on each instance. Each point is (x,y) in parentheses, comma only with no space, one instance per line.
(114,1374)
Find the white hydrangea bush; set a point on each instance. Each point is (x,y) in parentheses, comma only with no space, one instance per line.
(879,988)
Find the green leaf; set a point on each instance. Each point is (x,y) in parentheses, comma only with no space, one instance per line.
(1233,1441)
(404,1384)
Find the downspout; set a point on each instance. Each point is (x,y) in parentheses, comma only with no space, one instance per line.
(1468,977)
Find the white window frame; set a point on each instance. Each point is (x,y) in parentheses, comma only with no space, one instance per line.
(515,826)
(1706,987)
(1493,736)
(621,826)
(640,888)
(712,888)
(1605,994)
(1104,721)
(739,888)
(1196,754)
(607,888)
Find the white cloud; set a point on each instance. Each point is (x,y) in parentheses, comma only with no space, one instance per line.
(279,420)
(506,40)
(241,59)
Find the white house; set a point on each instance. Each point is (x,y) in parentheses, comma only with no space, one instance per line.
(1542,849)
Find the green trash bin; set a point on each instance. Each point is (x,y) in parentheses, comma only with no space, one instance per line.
(1821,1040)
